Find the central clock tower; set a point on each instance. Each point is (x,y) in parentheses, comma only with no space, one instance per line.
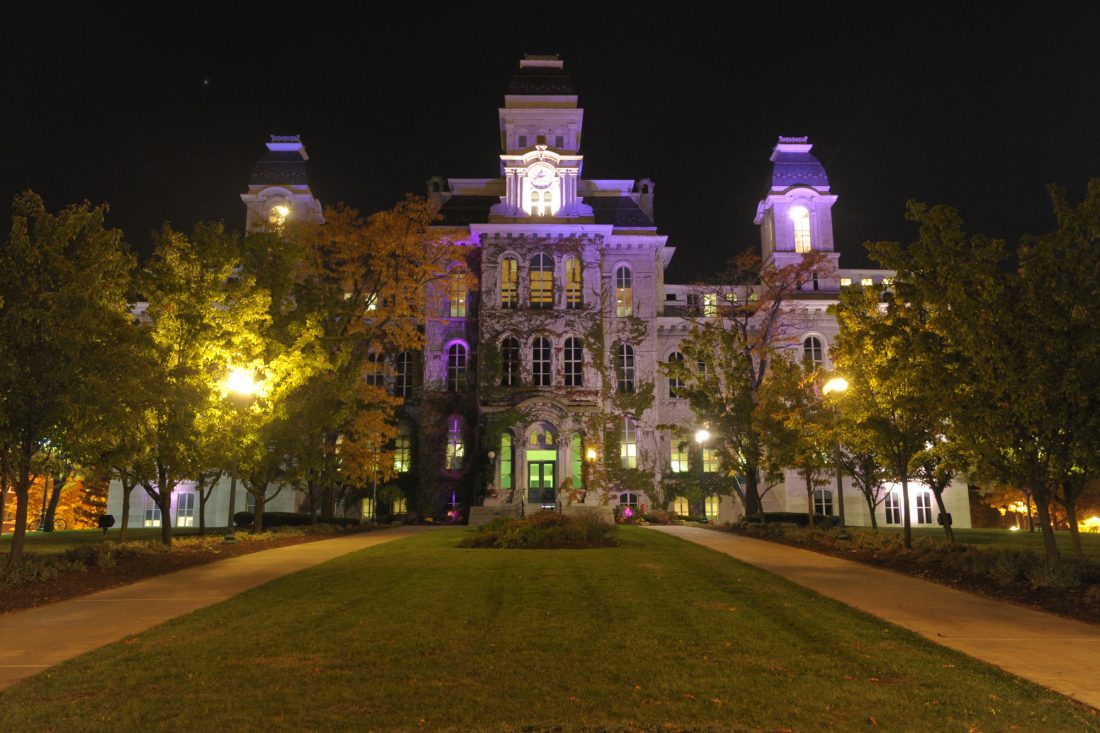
(540,136)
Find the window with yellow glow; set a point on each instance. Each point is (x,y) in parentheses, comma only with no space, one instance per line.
(509,282)
(710,305)
(628,444)
(456,444)
(710,460)
(402,452)
(506,460)
(542,281)
(624,299)
(679,462)
(457,295)
(680,506)
(711,507)
(800,217)
(573,278)
(576,445)
(866,282)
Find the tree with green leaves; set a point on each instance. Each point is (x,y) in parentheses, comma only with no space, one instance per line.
(64,279)
(727,355)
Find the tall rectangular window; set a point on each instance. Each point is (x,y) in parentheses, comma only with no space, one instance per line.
(800,217)
(624,298)
(374,375)
(893,508)
(624,368)
(457,295)
(185,510)
(573,283)
(924,507)
(540,362)
(152,513)
(679,463)
(402,452)
(823,502)
(542,281)
(628,445)
(506,460)
(710,460)
(574,362)
(509,282)
(456,368)
(509,362)
(710,305)
(456,445)
(577,463)
(402,374)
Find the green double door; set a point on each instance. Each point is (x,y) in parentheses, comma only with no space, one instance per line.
(540,477)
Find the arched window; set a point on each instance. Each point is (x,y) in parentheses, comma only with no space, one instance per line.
(624,299)
(823,502)
(624,367)
(573,283)
(506,460)
(456,294)
(574,362)
(540,362)
(628,498)
(680,506)
(374,375)
(456,444)
(509,282)
(547,200)
(456,368)
(628,444)
(675,383)
(402,450)
(509,355)
(542,281)
(800,217)
(812,352)
(402,374)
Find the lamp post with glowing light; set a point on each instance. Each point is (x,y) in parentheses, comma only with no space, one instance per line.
(702,435)
(839,385)
(240,383)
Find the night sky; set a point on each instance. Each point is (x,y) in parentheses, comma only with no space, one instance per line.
(161,113)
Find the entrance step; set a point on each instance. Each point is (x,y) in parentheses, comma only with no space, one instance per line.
(480,515)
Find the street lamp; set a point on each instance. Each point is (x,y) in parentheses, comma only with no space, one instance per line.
(239,382)
(702,435)
(840,386)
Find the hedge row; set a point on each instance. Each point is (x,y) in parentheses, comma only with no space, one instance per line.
(290,519)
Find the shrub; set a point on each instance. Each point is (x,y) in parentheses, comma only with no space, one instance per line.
(660,516)
(290,519)
(821,521)
(543,531)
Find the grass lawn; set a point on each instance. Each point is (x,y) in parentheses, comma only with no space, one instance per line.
(422,635)
(1090,542)
(58,542)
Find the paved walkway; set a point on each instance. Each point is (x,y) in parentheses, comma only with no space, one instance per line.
(1049,650)
(41,637)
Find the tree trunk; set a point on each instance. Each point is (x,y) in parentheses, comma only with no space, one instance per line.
(258,518)
(870,509)
(752,492)
(57,482)
(809,501)
(1074,530)
(164,501)
(18,537)
(202,511)
(943,514)
(125,509)
(905,511)
(1042,508)
(1030,519)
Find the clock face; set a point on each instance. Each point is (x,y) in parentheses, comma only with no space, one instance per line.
(541,178)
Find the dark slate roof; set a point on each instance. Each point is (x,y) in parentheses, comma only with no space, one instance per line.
(280,166)
(465,210)
(618,211)
(793,169)
(541,80)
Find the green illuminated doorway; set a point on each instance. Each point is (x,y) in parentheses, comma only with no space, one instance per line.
(540,476)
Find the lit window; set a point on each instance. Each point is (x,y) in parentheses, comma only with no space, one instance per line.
(710,460)
(845,282)
(540,362)
(800,217)
(509,353)
(866,282)
(542,281)
(812,351)
(823,502)
(710,305)
(576,445)
(710,507)
(675,383)
(680,506)
(924,507)
(278,214)
(506,460)
(185,510)
(509,282)
(628,445)
(624,367)
(402,451)
(456,445)
(152,512)
(374,375)
(693,304)
(624,300)
(456,368)
(399,505)
(893,508)
(367,509)
(574,362)
(457,295)
(679,463)
(628,498)
(402,374)
(887,281)
(573,279)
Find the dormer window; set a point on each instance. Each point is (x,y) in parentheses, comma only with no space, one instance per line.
(800,217)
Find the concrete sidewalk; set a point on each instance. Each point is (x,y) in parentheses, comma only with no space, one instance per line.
(41,637)
(1049,650)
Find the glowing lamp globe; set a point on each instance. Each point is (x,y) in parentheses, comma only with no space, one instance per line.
(240,382)
(836,384)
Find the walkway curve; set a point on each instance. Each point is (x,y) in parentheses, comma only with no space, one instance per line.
(32,640)
(1057,653)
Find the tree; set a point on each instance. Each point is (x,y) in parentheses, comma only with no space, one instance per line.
(727,353)
(1018,343)
(866,475)
(63,283)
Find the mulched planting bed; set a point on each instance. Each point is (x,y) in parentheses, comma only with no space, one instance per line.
(131,568)
(1074,603)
